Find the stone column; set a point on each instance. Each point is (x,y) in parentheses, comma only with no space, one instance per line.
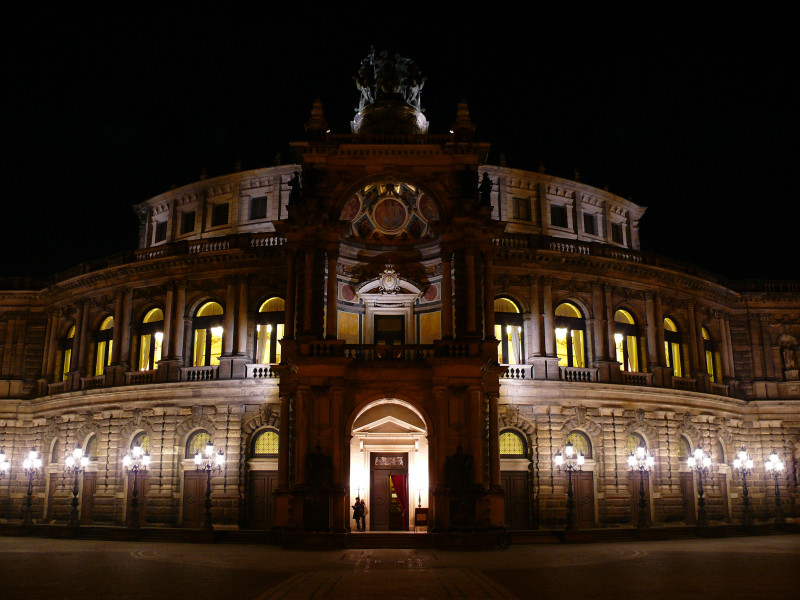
(611,344)
(694,363)
(549,320)
(49,359)
(230,311)
(241,319)
(116,336)
(333,296)
(125,326)
(84,340)
(652,336)
(662,357)
(600,329)
(168,341)
(308,283)
(766,344)
(283,444)
(180,309)
(469,265)
(447,296)
(488,296)
(726,368)
(291,265)
(494,441)
(535,337)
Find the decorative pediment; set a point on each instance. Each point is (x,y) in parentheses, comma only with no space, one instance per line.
(389,426)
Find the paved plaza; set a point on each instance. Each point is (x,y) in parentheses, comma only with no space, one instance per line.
(756,567)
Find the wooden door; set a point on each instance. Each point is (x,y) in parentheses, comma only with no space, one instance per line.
(384,512)
(87,497)
(634,488)
(142,485)
(584,499)
(688,499)
(194,490)
(517,502)
(52,485)
(723,490)
(262,499)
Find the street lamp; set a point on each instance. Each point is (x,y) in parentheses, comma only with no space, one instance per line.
(75,463)
(774,466)
(135,461)
(641,461)
(701,463)
(209,462)
(4,464)
(31,466)
(744,465)
(569,462)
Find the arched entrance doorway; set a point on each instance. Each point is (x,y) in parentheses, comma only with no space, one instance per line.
(389,464)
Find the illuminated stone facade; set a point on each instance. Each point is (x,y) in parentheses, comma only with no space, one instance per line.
(391,307)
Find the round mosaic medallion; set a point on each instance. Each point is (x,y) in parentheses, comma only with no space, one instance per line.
(390,215)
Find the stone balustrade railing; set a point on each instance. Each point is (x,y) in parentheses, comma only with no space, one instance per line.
(633,378)
(719,389)
(58,387)
(517,372)
(578,374)
(94,382)
(385,352)
(259,371)
(140,377)
(686,384)
(199,373)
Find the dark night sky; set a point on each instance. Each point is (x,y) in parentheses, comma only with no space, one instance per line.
(697,121)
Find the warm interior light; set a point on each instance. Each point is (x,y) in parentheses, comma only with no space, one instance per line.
(159,335)
(216,331)
(618,338)
(561,332)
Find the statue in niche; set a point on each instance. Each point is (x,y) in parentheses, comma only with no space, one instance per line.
(485,190)
(788,358)
(459,470)
(295,188)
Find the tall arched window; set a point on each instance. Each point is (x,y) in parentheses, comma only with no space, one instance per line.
(91,447)
(672,347)
(633,442)
(197,442)
(581,443)
(104,343)
(626,341)
(684,447)
(512,445)
(269,331)
(712,365)
(207,327)
(508,330)
(265,444)
(151,336)
(570,335)
(68,343)
(142,440)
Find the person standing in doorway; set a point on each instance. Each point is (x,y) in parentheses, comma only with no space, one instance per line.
(358,513)
(364,513)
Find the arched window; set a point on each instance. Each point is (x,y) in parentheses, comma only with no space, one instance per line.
(142,440)
(269,331)
(720,451)
(711,358)
(104,343)
(580,442)
(197,442)
(265,444)
(684,447)
(672,347)
(512,445)
(68,343)
(634,441)
(91,447)
(626,341)
(207,327)
(151,337)
(570,333)
(54,452)
(508,330)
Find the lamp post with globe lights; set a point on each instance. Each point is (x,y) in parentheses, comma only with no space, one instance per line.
(135,461)
(774,466)
(569,462)
(31,467)
(208,462)
(700,462)
(75,464)
(744,464)
(641,461)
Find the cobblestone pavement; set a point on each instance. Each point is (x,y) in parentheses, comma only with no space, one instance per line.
(708,569)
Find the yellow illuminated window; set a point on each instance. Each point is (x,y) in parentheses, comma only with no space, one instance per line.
(269,331)
(570,328)
(672,347)
(208,332)
(266,443)
(580,442)
(68,353)
(711,362)
(104,345)
(508,331)
(626,341)
(151,339)
(633,442)
(684,449)
(91,448)
(511,444)
(197,443)
(143,441)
